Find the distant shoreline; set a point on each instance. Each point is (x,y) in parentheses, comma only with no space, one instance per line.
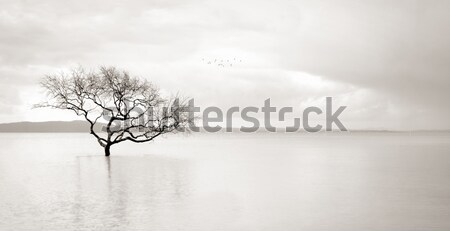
(79,126)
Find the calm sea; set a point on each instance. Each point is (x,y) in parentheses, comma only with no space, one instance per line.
(266,181)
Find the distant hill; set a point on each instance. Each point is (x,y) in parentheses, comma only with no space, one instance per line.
(83,127)
(50,126)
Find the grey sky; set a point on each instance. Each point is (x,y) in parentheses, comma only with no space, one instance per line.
(388,61)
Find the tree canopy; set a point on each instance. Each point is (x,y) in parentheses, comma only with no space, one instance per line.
(130,108)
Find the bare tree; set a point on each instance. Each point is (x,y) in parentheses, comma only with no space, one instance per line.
(131,109)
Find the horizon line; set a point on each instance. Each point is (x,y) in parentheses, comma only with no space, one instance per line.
(278,129)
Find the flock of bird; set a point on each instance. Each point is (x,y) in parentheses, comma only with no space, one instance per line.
(222,62)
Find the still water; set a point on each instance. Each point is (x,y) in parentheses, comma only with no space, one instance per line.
(356,181)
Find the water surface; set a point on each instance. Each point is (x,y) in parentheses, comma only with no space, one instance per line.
(357,181)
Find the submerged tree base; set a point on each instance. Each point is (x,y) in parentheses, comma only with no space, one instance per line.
(107,150)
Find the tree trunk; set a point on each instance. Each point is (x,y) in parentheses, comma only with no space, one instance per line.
(107,150)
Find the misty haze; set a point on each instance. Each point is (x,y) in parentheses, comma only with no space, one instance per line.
(224,115)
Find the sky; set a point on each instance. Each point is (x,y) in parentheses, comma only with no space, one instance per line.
(387,61)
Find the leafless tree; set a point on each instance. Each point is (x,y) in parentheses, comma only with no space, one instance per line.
(129,108)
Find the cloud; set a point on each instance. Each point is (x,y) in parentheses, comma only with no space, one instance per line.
(388,61)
